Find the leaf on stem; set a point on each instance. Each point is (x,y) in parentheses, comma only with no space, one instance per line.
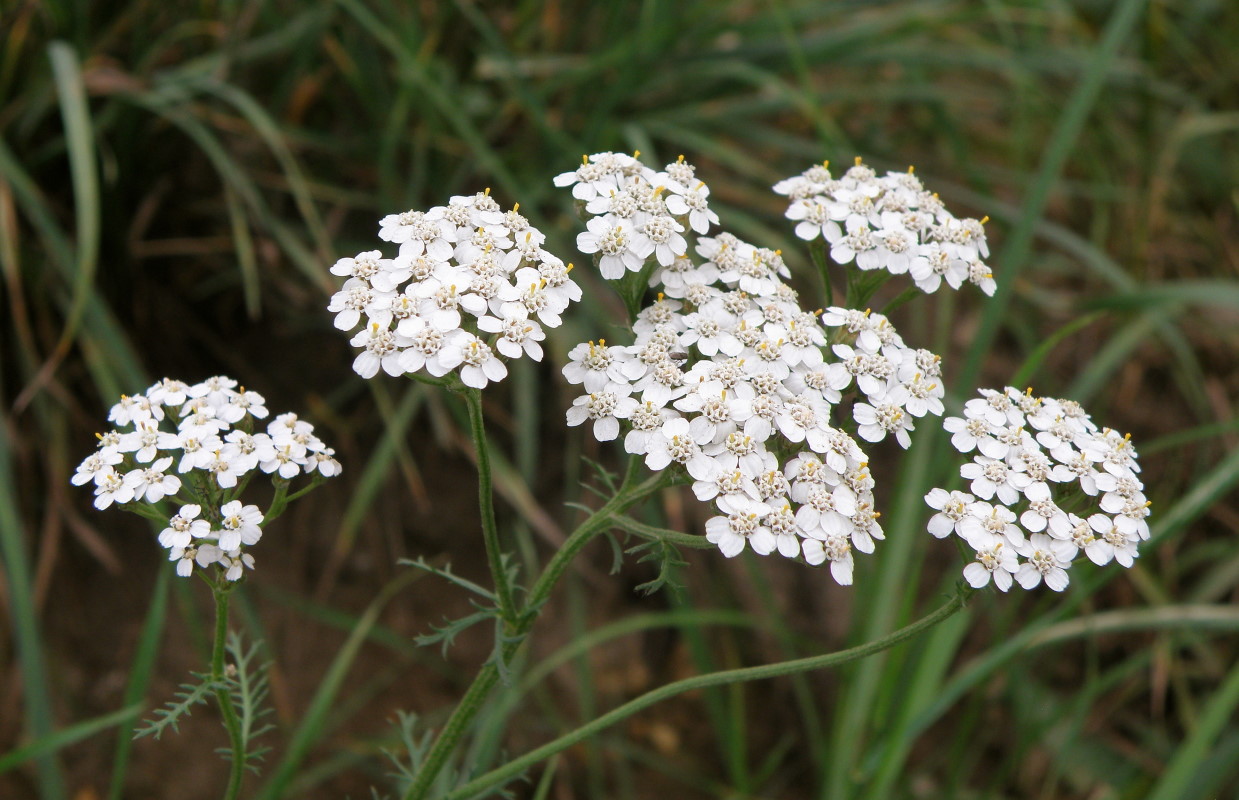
(667,556)
(248,687)
(446,573)
(448,633)
(190,695)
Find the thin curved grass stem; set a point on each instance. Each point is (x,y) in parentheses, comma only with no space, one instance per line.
(518,766)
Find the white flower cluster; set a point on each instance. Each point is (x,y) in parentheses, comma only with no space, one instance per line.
(890,223)
(206,430)
(637,213)
(1030,450)
(731,379)
(467,256)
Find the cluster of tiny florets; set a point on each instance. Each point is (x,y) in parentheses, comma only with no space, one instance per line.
(637,213)
(470,286)
(1040,465)
(731,380)
(195,445)
(890,223)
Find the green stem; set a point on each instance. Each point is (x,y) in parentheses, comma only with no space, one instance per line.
(223,697)
(475,696)
(907,294)
(282,498)
(817,252)
(486,505)
(518,766)
(862,284)
(278,501)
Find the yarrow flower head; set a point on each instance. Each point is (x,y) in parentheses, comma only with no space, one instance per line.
(731,381)
(470,287)
(888,222)
(1046,486)
(184,443)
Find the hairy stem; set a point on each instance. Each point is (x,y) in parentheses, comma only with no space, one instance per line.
(223,697)
(486,505)
(475,696)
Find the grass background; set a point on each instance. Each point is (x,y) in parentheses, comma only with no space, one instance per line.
(175,179)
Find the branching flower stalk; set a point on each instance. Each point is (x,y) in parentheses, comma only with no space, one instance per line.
(207,431)
(732,385)
(629,493)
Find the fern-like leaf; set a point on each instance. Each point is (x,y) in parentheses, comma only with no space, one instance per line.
(667,556)
(447,633)
(190,695)
(446,573)
(248,688)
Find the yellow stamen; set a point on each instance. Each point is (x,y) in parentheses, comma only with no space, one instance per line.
(858,161)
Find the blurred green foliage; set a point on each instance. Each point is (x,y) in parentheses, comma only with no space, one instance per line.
(176,178)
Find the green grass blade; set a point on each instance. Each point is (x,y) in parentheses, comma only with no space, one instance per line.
(1035,359)
(1222,478)
(110,356)
(247,260)
(79,140)
(1060,146)
(1115,353)
(40,721)
(1182,770)
(932,660)
(882,601)
(1196,293)
(275,139)
(140,677)
(315,716)
(45,746)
